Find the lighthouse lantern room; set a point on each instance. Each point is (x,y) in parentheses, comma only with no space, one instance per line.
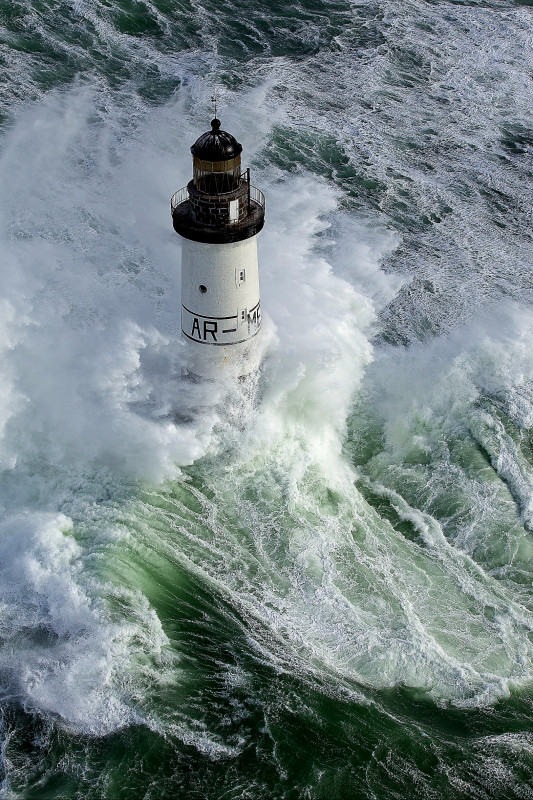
(219,214)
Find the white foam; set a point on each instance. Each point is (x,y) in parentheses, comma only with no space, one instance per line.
(59,658)
(91,359)
(93,298)
(338,593)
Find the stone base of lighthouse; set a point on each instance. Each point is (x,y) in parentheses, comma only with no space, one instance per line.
(220,307)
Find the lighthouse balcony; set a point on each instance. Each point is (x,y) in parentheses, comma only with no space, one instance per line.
(218,218)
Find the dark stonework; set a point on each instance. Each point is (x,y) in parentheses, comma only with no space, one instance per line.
(213,209)
(187,226)
(206,217)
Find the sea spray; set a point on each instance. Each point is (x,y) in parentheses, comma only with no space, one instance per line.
(287,592)
(97,364)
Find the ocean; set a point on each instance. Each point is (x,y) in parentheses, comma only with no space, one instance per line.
(316,584)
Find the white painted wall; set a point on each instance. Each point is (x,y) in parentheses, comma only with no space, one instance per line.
(220,322)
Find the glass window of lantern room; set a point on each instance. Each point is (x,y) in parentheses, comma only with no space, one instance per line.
(217,177)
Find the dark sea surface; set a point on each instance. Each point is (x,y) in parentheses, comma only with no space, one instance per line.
(316,585)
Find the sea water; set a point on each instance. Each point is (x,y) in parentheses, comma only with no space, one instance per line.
(318,583)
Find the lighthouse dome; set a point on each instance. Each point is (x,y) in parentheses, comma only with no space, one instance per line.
(216,145)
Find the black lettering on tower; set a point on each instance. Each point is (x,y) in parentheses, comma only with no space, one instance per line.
(210,327)
(196,327)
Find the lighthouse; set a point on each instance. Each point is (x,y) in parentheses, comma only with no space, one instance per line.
(219,214)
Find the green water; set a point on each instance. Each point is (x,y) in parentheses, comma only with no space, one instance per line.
(318,585)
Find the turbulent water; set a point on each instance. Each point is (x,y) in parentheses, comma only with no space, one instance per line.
(317,584)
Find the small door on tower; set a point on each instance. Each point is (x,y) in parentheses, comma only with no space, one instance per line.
(234,210)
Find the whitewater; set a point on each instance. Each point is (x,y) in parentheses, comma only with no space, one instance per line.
(316,584)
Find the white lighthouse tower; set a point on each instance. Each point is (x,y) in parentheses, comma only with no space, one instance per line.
(219,214)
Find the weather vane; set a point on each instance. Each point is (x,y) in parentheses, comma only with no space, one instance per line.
(214,99)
